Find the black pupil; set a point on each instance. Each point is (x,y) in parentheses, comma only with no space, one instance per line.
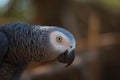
(59,38)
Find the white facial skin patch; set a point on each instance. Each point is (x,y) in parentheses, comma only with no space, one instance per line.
(62,45)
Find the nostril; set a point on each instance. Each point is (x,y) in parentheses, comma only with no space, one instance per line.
(70,46)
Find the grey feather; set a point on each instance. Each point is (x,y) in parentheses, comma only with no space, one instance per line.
(3,46)
(25,40)
(21,43)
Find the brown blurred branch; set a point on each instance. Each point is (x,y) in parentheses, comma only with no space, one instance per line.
(47,12)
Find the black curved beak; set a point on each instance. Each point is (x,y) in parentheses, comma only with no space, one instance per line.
(66,57)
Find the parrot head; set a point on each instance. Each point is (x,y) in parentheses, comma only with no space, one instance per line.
(64,43)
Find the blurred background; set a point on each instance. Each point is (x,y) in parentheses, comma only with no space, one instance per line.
(95,25)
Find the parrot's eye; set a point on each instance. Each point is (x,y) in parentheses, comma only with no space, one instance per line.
(59,38)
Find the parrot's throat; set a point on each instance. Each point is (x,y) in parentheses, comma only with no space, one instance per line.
(46,55)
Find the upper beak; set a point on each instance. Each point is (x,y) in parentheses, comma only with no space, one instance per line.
(66,57)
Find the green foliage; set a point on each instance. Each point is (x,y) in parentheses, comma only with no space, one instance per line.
(21,10)
(111,4)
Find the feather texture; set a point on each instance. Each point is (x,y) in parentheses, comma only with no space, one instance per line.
(21,43)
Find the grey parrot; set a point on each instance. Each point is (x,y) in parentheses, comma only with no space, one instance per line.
(21,43)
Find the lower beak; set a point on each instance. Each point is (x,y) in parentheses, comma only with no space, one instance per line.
(66,57)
